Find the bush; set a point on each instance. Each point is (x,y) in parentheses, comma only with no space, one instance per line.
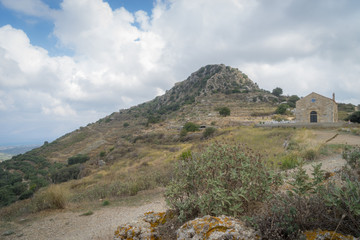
(183,132)
(289,161)
(191,127)
(209,132)
(54,197)
(310,155)
(352,157)
(224,179)
(354,117)
(281,109)
(126,124)
(27,194)
(80,158)
(292,101)
(66,174)
(224,111)
(312,205)
(153,119)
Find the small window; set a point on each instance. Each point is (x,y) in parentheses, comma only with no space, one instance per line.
(313,100)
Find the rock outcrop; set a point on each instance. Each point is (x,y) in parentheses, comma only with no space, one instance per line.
(208,227)
(145,228)
(215,228)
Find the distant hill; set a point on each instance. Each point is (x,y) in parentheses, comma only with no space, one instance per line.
(14,150)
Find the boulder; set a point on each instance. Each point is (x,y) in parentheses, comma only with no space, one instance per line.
(216,228)
(326,235)
(145,228)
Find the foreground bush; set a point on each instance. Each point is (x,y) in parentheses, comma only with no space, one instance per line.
(312,205)
(352,157)
(224,179)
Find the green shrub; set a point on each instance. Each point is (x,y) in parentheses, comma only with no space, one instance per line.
(6,196)
(354,117)
(126,124)
(185,155)
(209,132)
(289,161)
(224,179)
(153,119)
(66,174)
(27,194)
(352,156)
(183,132)
(191,127)
(80,158)
(292,101)
(281,109)
(102,154)
(105,203)
(224,111)
(312,205)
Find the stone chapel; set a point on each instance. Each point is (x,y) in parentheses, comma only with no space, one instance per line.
(315,108)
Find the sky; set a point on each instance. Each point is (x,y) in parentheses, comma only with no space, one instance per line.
(67,63)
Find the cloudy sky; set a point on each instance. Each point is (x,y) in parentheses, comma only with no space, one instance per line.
(66,63)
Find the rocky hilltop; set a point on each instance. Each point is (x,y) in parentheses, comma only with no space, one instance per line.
(203,84)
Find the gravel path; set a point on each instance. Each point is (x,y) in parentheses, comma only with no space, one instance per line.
(71,226)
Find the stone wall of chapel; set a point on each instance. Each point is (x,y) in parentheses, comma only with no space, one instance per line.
(325,107)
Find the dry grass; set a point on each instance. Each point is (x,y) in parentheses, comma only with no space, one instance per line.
(52,197)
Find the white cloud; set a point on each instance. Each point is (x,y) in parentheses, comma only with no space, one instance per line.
(30,7)
(123,58)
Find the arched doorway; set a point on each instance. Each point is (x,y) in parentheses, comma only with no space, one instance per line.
(313,117)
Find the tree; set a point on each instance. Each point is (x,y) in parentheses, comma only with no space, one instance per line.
(281,109)
(277,91)
(354,117)
(224,111)
(292,100)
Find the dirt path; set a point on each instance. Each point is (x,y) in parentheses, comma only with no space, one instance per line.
(341,138)
(71,226)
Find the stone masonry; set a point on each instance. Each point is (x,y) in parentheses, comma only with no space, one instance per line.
(315,108)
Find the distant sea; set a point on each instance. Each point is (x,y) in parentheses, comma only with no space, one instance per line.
(6,152)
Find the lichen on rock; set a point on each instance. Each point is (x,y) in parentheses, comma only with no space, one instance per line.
(326,235)
(215,228)
(145,228)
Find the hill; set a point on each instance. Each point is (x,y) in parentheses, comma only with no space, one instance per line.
(144,138)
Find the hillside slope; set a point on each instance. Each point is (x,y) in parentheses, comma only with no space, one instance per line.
(144,136)
(194,99)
